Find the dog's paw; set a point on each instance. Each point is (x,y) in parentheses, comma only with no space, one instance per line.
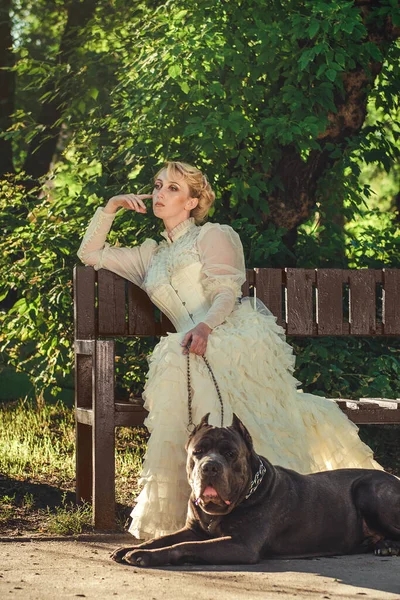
(139,558)
(119,554)
(387,548)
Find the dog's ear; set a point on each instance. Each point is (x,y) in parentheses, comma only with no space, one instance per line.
(203,423)
(238,426)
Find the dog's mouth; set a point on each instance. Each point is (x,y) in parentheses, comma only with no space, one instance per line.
(211,499)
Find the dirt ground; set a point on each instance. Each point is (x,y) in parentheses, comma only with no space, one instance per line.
(49,569)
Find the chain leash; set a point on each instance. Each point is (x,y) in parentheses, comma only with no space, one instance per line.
(191,425)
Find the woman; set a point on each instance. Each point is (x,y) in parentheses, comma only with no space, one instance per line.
(195,276)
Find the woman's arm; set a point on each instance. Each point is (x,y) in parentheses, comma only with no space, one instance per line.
(131,263)
(221,254)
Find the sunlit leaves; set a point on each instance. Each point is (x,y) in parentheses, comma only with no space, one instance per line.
(228,86)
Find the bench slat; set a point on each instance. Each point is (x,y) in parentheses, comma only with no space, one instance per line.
(141,320)
(330,302)
(362,302)
(250,278)
(268,283)
(391,301)
(112,304)
(85,303)
(299,318)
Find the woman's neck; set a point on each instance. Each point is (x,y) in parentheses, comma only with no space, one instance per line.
(170,224)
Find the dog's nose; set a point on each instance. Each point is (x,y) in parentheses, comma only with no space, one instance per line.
(211,468)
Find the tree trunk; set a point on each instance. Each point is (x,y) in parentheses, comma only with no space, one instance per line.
(43,145)
(7,86)
(293,205)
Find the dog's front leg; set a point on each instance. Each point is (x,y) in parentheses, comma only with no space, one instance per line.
(182,535)
(219,551)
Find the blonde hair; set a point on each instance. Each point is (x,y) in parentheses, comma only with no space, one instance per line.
(199,187)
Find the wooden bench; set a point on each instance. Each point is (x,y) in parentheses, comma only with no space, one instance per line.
(307,302)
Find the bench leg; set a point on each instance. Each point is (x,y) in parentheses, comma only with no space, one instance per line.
(104,437)
(84,365)
(84,470)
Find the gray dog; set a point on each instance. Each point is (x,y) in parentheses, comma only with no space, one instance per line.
(242,508)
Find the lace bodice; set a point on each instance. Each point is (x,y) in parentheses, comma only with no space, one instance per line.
(194,275)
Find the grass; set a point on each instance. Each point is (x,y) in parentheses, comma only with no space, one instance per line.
(37,470)
(69,519)
(37,441)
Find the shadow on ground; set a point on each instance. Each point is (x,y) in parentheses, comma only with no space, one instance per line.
(362,570)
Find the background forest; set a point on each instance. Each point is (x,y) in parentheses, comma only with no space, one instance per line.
(291,108)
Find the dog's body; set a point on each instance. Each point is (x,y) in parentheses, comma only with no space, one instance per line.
(242,508)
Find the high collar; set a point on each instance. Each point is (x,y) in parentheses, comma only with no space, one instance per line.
(179,230)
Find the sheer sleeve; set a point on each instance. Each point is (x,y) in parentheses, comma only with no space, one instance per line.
(221,254)
(131,263)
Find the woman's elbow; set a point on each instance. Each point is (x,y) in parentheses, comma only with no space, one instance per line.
(90,259)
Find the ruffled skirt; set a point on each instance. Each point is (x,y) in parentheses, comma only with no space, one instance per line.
(253,366)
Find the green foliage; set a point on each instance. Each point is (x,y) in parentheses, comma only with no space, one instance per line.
(69,519)
(6,508)
(349,368)
(231,87)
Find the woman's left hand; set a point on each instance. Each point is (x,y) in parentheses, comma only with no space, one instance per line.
(196,339)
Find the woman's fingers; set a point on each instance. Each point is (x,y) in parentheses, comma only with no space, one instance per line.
(198,345)
(133,201)
(194,342)
(136,201)
(186,341)
(139,199)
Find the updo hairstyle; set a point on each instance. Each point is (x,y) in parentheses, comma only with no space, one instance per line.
(198,187)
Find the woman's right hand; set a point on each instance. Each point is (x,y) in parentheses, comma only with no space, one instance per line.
(129,201)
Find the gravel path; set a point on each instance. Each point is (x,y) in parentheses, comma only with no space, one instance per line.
(54,569)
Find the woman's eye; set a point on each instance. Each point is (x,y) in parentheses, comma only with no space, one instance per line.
(173,188)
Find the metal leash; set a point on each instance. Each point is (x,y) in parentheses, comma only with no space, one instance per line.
(191,425)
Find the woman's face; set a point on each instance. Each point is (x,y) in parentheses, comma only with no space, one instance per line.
(171,198)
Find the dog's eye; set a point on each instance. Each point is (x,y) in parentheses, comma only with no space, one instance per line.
(230,454)
(197,451)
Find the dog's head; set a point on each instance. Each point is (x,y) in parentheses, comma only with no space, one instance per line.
(220,463)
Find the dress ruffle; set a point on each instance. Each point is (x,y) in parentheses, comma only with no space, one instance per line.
(253,366)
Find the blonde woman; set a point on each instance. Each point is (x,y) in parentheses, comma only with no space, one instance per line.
(194,275)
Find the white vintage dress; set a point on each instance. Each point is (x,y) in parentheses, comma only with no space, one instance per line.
(194,277)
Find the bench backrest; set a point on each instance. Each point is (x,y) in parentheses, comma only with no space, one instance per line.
(306,302)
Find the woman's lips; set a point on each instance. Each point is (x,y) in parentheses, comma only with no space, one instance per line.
(158,204)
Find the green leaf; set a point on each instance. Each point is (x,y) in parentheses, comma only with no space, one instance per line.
(331,74)
(348,26)
(175,71)
(313,28)
(184,87)
(94,92)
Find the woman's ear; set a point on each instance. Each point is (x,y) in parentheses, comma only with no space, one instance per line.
(191,203)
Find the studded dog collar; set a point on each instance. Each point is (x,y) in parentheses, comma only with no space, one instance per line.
(257,479)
